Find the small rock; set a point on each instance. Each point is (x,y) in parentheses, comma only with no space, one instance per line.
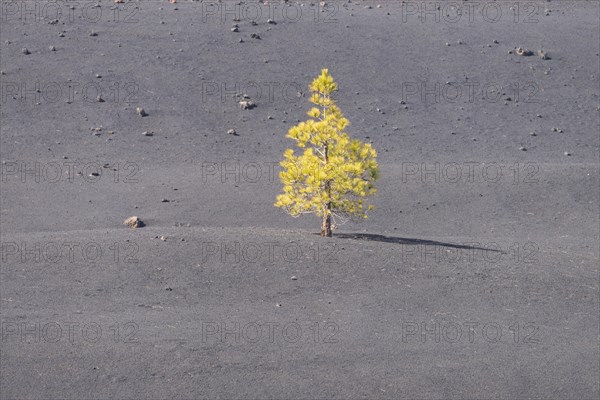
(25,51)
(163,238)
(255,36)
(520,51)
(92,33)
(147,133)
(543,55)
(270,21)
(567,153)
(140,111)
(533,133)
(277,304)
(99,99)
(294,278)
(133,222)
(246,104)
(232,132)
(52,48)
(165,201)
(235,29)
(522,148)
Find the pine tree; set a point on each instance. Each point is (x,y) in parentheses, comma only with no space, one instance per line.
(335,174)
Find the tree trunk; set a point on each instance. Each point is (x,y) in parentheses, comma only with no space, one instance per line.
(326,226)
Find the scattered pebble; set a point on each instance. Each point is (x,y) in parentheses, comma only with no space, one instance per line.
(140,111)
(294,278)
(147,134)
(522,148)
(25,51)
(255,36)
(52,48)
(232,132)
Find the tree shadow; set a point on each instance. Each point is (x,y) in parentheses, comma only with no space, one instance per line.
(409,241)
